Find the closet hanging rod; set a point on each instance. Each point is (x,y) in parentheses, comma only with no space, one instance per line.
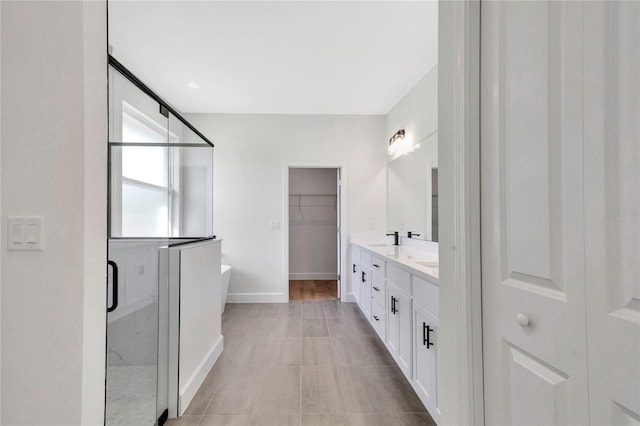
(140,85)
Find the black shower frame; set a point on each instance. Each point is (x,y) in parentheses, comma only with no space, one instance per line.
(164,106)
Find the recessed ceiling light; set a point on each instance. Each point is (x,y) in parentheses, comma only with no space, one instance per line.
(193,85)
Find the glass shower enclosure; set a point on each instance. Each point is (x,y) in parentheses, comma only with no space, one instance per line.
(160,193)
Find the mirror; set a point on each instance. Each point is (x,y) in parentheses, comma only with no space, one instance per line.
(412,168)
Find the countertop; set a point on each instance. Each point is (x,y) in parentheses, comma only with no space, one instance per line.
(421,262)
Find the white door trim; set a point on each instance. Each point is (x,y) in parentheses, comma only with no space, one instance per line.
(460,378)
(343,222)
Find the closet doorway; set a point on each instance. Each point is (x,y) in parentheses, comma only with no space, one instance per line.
(314,233)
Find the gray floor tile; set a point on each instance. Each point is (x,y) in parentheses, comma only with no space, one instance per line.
(265,327)
(353,419)
(364,390)
(312,310)
(314,328)
(337,309)
(320,390)
(235,391)
(317,351)
(185,420)
(277,392)
(353,328)
(365,351)
(251,420)
(201,399)
(416,419)
(280,327)
(277,365)
(257,351)
(400,391)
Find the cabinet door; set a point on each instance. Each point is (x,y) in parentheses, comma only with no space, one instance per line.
(365,293)
(425,365)
(355,273)
(399,328)
(403,308)
(393,321)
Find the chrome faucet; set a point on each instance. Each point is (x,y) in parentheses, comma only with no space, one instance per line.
(396,238)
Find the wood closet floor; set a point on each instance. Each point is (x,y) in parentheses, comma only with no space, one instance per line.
(313,289)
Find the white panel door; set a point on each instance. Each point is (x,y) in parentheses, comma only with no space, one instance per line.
(612,203)
(535,364)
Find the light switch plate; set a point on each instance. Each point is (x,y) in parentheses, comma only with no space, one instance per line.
(25,233)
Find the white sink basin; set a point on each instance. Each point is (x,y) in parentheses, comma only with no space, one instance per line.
(379,245)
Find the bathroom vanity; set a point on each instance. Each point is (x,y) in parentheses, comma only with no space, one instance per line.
(396,288)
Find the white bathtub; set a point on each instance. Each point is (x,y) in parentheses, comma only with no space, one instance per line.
(225,270)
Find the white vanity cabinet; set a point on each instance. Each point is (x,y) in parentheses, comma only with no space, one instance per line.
(401,303)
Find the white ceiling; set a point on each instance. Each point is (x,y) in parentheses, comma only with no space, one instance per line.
(279,57)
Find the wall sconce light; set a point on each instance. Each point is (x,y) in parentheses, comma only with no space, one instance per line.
(396,144)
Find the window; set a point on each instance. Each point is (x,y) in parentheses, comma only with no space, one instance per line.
(147,177)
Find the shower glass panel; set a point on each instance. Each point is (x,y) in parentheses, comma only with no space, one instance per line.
(160,193)
(139,225)
(192,182)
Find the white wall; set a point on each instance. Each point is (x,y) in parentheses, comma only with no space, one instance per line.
(53,164)
(312,224)
(250,160)
(417,111)
(199,315)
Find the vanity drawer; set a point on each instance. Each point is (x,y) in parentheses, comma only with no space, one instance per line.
(365,260)
(378,265)
(377,319)
(378,288)
(400,278)
(426,294)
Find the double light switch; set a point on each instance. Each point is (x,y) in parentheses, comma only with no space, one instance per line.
(25,233)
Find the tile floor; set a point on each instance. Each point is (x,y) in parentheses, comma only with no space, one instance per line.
(303,363)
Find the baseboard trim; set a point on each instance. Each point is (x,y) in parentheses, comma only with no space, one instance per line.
(257,298)
(314,276)
(350,298)
(197,378)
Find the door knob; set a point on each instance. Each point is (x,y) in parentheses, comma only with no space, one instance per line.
(523,320)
